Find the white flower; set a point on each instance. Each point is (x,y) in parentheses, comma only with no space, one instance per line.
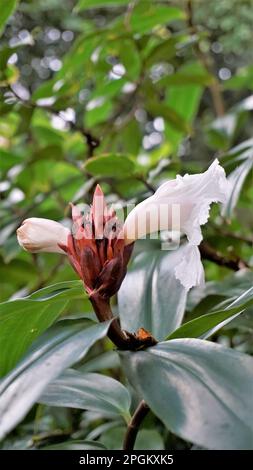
(37,235)
(190,271)
(181,205)
(189,195)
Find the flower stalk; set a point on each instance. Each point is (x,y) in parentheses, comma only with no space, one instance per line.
(134,425)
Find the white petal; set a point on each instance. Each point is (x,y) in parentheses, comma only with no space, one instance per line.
(37,234)
(190,271)
(192,195)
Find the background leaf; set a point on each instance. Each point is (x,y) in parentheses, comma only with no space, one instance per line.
(6,9)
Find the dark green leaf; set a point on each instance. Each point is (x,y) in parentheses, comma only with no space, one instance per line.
(63,345)
(23,320)
(93,392)
(200,390)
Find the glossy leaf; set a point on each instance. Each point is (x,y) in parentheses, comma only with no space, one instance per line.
(208,324)
(63,345)
(150,296)
(237,179)
(89,391)
(23,320)
(200,390)
(230,288)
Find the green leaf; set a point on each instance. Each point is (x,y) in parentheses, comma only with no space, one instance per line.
(106,360)
(236,179)
(146,439)
(242,79)
(64,290)
(23,320)
(76,445)
(165,50)
(8,159)
(200,390)
(206,325)
(7,7)
(169,114)
(98,114)
(146,16)
(232,287)
(86,4)
(92,391)
(64,344)
(184,100)
(151,297)
(117,166)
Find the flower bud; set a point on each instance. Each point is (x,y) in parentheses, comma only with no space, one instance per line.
(36,234)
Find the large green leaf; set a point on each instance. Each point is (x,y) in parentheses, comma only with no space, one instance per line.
(208,324)
(23,320)
(64,344)
(150,296)
(200,390)
(118,166)
(7,7)
(95,392)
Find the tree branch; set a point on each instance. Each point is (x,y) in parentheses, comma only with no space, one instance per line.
(209,253)
(92,141)
(134,425)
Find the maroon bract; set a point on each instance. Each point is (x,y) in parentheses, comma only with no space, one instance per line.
(96,247)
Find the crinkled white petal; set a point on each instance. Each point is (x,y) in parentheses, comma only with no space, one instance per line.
(191,195)
(190,271)
(37,234)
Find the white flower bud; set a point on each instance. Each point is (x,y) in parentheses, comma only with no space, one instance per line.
(36,234)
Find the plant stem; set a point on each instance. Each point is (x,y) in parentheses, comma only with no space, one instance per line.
(103,311)
(134,425)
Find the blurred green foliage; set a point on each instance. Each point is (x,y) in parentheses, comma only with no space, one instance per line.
(127,94)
